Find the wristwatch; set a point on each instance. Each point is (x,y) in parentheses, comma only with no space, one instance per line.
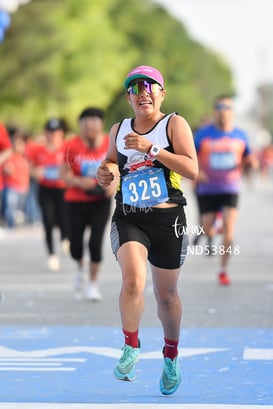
(154,151)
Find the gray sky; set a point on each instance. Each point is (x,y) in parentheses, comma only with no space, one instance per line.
(240,30)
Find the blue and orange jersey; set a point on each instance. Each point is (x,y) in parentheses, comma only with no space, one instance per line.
(220,156)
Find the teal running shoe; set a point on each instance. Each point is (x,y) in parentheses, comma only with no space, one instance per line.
(171,377)
(125,370)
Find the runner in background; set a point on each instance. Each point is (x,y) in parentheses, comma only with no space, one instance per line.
(266,162)
(218,222)
(45,161)
(16,181)
(88,203)
(32,208)
(223,153)
(5,153)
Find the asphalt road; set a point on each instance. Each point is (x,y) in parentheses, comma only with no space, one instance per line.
(33,295)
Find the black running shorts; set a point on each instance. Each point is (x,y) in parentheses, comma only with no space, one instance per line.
(161,230)
(214,203)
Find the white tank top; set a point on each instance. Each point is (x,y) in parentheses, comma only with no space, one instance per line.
(130,160)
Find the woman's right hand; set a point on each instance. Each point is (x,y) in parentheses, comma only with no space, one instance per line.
(104,176)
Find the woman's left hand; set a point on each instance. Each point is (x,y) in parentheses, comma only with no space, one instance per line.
(137,142)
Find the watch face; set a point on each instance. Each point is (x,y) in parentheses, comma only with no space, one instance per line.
(155,150)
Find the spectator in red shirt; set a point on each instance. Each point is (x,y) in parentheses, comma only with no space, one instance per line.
(88,203)
(5,153)
(45,160)
(16,181)
(32,208)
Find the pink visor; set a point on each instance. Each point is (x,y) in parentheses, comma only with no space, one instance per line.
(144,71)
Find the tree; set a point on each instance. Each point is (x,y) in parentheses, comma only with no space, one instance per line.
(65,55)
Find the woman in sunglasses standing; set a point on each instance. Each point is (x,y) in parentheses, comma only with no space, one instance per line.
(149,153)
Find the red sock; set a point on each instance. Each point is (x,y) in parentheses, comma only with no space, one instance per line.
(170,348)
(131,338)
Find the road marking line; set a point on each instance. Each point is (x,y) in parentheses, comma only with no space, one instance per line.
(38,405)
(258,354)
(20,368)
(105,351)
(42,360)
(4,364)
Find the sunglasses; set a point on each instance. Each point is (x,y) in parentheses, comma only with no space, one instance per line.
(149,86)
(220,106)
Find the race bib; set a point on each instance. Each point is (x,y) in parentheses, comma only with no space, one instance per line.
(144,188)
(51,173)
(222,160)
(89,168)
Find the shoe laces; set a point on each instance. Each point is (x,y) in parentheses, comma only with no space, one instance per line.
(170,367)
(128,352)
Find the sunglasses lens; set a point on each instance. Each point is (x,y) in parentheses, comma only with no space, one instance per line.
(135,89)
(223,107)
(151,88)
(154,88)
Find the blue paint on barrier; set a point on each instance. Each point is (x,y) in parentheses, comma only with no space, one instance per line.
(75,365)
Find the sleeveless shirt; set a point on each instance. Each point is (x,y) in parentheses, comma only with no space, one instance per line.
(130,160)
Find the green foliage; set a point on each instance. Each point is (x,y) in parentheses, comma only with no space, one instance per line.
(61,56)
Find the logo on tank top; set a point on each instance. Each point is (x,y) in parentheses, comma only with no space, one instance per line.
(138,161)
